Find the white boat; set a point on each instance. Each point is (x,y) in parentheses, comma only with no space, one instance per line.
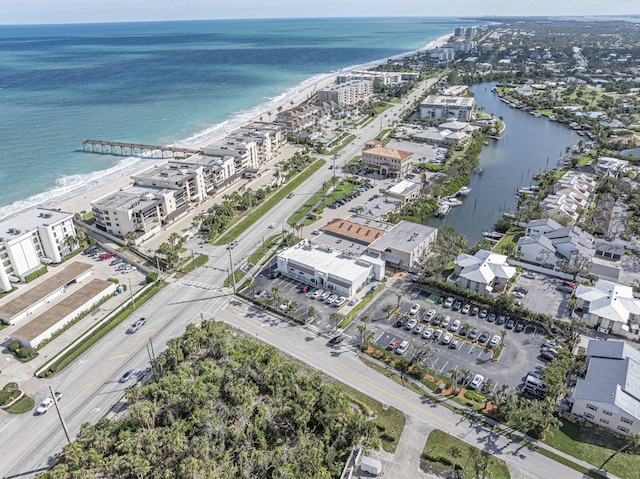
(494,235)
(443,210)
(450,201)
(464,191)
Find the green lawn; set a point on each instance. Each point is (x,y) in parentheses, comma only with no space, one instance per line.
(262,249)
(594,445)
(511,237)
(23,405)
(437,451)
(238,274)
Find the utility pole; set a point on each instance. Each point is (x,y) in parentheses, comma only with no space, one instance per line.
(233,275)
(158,265)
(193,259)
(64,426)
(133,304)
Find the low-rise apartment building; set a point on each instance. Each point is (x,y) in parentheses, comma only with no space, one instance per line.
(347,93)
(387,161)
(439,107)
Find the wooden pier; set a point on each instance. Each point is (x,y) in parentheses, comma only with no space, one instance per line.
(135,149)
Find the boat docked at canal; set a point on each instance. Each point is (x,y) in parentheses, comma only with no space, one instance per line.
(464,191)
(450,201)
(443,210)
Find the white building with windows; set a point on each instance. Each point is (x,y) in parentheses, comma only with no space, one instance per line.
(327,268)
(440,107)
(32,238)
(387,161)
(347,93)
(484,273)
(609,395)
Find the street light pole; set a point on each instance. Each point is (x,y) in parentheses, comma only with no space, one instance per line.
(64,426)
(133,304)
(233,273)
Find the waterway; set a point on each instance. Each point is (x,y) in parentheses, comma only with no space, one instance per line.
(528,145)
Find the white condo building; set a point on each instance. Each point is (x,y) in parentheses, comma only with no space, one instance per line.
(347,93)
(32,238)
(439,107)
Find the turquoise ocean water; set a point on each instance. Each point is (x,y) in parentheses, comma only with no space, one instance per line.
(160,83)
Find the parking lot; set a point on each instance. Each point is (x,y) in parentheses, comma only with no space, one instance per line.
(519,356)
(556,301)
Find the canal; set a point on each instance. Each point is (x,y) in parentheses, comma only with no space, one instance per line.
(528,145)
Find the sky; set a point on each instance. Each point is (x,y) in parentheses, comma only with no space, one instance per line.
(92,11)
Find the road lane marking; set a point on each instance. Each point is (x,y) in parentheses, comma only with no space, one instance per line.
(250,323)
(118,357)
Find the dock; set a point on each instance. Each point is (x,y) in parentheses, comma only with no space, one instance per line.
(135,149)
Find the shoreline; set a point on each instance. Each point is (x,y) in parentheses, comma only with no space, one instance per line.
(296,94)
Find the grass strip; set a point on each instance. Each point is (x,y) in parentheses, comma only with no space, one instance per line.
(71,354)
(246,222)
(358,307)
(238,274)
(23,405)
(258,254)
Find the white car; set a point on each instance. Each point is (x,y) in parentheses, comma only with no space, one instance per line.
(411,324)
(427,333)
(418,329)
(448,302)
(331,299)
(446,339)
(455,326)
(476,382)
(324,295)
(429,316)
(48,404)
(272,225)
(404,345)
(414,309)
(339,301)
(530,275)
(495,340)
(316,294)
(444,324)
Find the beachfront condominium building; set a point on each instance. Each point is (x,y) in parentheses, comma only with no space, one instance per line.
(347,93)
(243,150)
(387,161)
(188,180)
(32,238)
(439,107)
(217,170)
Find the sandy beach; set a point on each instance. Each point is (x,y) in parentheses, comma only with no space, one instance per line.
(82,202)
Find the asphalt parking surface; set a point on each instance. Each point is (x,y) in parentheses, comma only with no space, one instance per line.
(544,297)
(519,356)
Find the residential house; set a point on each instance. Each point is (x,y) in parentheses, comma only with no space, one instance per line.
(609,395)
(484,273)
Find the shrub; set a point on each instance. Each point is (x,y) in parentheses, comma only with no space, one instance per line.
(474,396)
(26,353)
(11,387)
(35,274)
(152,277)
(13,346)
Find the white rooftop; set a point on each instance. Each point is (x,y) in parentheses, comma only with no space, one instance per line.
(30,220)
(405,236)
(326,259)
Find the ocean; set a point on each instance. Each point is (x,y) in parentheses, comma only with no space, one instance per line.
(161,83)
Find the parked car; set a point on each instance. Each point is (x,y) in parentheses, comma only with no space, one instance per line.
(437,334)
(353,302)
(483,314)
(501,319)
(126,376)
(446,339)
(519,327)
(428,332)
(476,382)
(488,386)
(404,345)
(115,261)
(455,326)
(136,325)
(466,309)
(393,344)
(48,403)
(335,340)
(435,321)
(429,315)
(448,303)
(521,289)
(551,344)
(463,330)
(331,298)
(530,275)
(455,344)
(495,340)
(444,324)
(411,324)
(510,324)
(418,329)
(414,309)
(545,349)
(339,302)
(456,306)
(316,294)
(547,356)
(492,317)
(473,334)
(484,337)
(305,287)
(324,295)
(104,256)
(474,310)
(401,321)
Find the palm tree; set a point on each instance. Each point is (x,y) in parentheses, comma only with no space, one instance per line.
(455,452)
(363,329)
(399,300)
(454,381)
(311,312)
(275,293)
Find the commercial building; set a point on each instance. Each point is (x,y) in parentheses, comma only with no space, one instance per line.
(439,107)
(32,238)
(609,395)
(405,191)
(325,267)
(404,245)
(387,161)
(353,231)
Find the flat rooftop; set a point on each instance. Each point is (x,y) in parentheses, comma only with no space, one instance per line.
(404,187)
(56,313)
(166,173)
(30,220)
(442,100)
(58,279)
(361,233)
(322,258)
(137,196)
(405,236)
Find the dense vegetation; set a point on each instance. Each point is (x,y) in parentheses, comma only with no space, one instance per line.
(222,405)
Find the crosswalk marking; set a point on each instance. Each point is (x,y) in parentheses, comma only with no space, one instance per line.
(195,284)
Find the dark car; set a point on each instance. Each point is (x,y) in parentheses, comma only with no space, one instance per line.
(520,289)
(519,327)
(335,340)
(402,321)
(510,324)
(474,310)
(492,317)
(501,319)
(484,337)
(483,314)
(547,356)
(456,306)
(463,331)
